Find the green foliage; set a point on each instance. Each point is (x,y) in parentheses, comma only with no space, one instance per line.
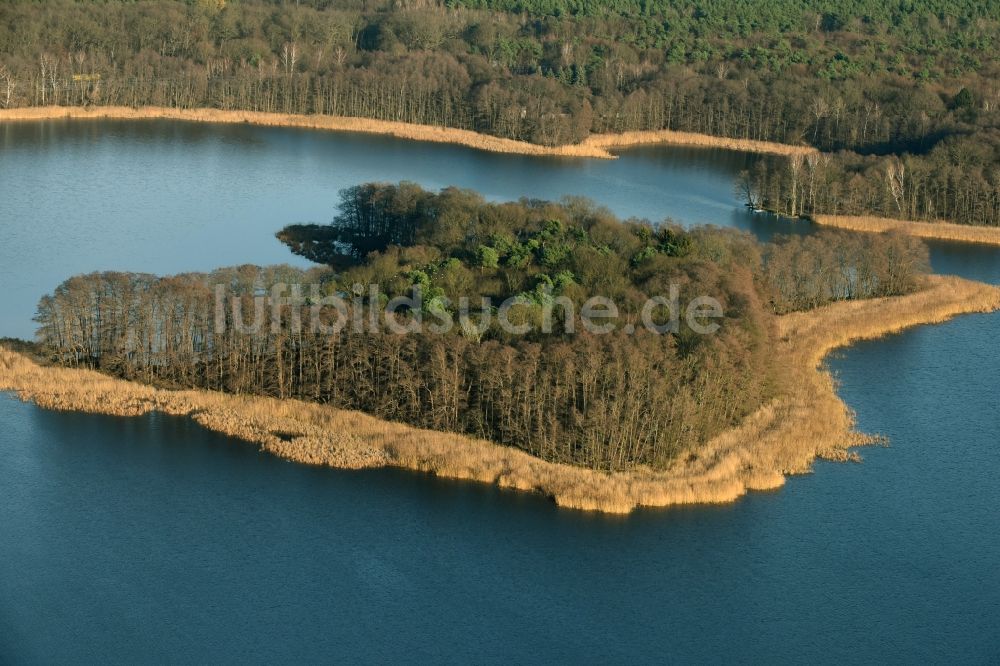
(964,99)
(673,242)
(488,257)
(554,254)
(419,278)
(532,249)
(563,279)
(644,255)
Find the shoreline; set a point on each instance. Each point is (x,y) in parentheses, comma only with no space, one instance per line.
(695,140)
(595,146)
(947,231)
(782,438)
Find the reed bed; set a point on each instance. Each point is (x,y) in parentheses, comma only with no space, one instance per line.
(598,145)
(401,130)
(628,139)
(784,437)
(937,230)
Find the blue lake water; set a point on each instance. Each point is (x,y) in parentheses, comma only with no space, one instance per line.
(153,540)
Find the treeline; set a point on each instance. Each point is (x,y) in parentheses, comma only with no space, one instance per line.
(957,181)
(609,401)
(804,272)
(606,402)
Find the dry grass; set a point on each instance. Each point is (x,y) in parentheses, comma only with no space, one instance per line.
(627,139)
(940,230)
(333,123)
(598,145)
(782,438)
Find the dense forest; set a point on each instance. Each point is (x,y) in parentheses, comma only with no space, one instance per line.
(958,180)
(612,399)
(873,84)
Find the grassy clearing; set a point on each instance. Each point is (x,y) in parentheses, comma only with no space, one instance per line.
(784,437)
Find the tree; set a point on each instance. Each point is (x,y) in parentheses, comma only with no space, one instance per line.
(7,86)
(488,257)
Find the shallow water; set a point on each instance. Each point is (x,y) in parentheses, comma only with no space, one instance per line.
(151,539)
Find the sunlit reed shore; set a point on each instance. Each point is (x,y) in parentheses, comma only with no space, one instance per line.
(670,137)
(598,145)
(784,437)
(937,230)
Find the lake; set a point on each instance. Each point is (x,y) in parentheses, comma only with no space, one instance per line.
(151,539)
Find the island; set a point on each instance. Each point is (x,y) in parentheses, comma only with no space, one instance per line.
(535,345)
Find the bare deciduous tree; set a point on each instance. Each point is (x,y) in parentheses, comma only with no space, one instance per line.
(7,85)
(895,177)
(795,167)
(289,56)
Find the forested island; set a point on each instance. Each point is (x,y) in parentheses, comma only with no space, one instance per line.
(901,99)
(608,397)
(657,405)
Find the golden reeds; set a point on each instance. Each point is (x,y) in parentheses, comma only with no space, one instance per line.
(965,233)
(401,130)
(784,437)
(627,139)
